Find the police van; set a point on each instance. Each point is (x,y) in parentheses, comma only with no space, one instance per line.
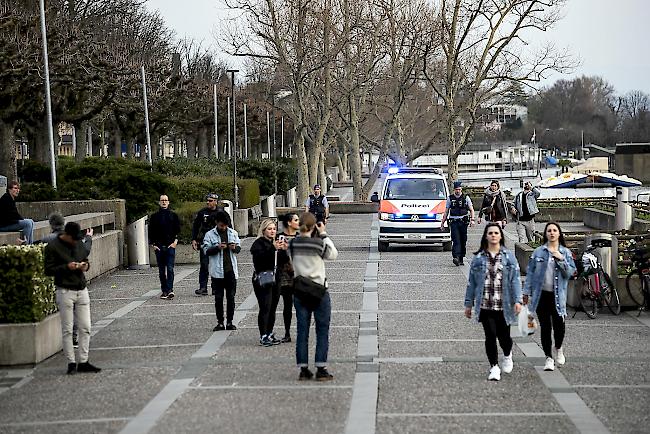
(411,205)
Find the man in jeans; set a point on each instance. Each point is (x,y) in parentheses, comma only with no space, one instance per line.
(221,244)
(66,258)
(164,228)
(524,209)
(460,213)
(10,218)
(203,223)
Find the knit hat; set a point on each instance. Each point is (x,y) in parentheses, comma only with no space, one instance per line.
(56,221)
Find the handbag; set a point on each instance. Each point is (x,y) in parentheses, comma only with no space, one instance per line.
(309,293)
(266,279)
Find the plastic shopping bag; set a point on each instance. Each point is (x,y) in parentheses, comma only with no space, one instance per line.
(526,323)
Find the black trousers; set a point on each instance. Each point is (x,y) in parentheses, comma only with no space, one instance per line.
(549,321)
(227,284)
(287,309)
(267,300)
(495,327)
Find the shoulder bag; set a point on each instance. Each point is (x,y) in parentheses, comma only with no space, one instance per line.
(266,279)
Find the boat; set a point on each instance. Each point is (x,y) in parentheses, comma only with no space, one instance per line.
(565,180)
(615,180)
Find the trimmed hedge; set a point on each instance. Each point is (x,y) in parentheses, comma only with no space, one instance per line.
(186,212)
(26,294)
(194,189)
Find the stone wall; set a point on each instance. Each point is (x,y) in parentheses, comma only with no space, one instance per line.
(41,210)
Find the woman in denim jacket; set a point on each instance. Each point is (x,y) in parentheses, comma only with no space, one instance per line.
(547,275)
(494,291)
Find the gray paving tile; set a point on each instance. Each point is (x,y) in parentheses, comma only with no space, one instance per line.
(621,410)
(480,423)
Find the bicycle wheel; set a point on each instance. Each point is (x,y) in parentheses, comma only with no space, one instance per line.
(587,298)
(634,284)
(609,293)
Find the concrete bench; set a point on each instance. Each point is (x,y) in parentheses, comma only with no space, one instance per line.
(100,222)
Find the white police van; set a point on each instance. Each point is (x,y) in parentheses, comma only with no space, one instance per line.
(411,205)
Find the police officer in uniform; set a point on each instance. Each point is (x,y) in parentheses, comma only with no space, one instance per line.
(317,205)
(203,223)
(460,213)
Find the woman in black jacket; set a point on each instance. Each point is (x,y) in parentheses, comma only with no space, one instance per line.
(264,251)
(494,205)
(291,224)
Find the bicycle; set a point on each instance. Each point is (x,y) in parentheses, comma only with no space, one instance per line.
(595,286)
(637,282)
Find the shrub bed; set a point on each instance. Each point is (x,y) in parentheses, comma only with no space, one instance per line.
(26,293)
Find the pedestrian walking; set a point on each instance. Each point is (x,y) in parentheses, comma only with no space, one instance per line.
(202,224)
(459,211)
(164,227)
(494,206)
(494,294)
(547,276)
(291,224)
(265,259)
(524,209)
(317,205)
(220,245)
(66,258)
(308,256)
(10,218)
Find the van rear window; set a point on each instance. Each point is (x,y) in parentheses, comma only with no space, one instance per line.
(415,189)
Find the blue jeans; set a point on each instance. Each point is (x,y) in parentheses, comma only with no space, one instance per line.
(25,225)
(458,237)
(203,269)
(322,316)
(165,257)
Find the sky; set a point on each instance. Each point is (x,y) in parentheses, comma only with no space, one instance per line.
(609,37)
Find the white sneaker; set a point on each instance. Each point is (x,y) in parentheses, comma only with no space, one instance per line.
(561,360)
(550,364)
(495,373)
(507,364)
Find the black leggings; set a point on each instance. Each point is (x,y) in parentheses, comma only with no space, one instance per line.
(287,310)
(549,320)
(267,300)
(228,285)
(495,326)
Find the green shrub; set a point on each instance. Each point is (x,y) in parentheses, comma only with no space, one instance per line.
(37,192)
(26,294)
(186,212)
(194,189)
(249,192)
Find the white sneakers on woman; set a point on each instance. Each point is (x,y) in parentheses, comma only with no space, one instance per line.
(550,364)
(507,364)
(561,360)
(495,373)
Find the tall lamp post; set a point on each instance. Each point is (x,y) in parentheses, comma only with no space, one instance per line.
(234,136)
(48,98)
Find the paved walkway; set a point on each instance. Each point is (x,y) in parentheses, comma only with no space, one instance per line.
(405,360)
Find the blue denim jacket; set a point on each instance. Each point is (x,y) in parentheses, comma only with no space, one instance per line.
(535,277)
(215,267)
(510,284)
(531,202)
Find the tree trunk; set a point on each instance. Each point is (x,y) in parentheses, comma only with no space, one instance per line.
(204,150)
(339,164)
(176,147)
(370,183)
(89,140)
(322,177)
(155,148)
(8,166)
(354,152)
(190,142)
(79,132)
(302,190)
(117,143)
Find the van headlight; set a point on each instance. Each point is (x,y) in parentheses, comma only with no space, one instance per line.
(384,216)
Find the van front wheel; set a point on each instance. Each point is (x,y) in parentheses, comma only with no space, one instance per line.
(446,246)
(382,246)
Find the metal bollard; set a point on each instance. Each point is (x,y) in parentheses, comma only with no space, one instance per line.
(624,213)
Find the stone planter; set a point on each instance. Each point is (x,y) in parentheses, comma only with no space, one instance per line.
(523,252)
(184,255)
(31,343)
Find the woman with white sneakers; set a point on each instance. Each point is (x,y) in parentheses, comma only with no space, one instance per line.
(494,294)
(547,276)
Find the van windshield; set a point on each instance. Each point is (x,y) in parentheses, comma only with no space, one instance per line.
(415,189)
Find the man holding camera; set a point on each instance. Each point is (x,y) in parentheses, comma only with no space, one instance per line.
(524,210)
(66,258)
(164,227)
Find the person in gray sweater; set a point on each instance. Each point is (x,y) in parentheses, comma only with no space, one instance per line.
(308,256)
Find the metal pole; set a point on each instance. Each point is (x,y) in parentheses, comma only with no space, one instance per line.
(245,135)
(48,98)
(234,136)
(229,127)
(216,125)
(146,114)
(74,141)
(282,136)
(268,135)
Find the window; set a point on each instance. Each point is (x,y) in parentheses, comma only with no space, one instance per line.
(415,189)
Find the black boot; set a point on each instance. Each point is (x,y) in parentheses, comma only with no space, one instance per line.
(87,367)
(72,369)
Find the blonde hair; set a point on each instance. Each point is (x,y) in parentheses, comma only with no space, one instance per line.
(265,224)
(307,222)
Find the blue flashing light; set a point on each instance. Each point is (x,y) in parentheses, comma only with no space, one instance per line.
(399,214)
(431,214)
(393,170)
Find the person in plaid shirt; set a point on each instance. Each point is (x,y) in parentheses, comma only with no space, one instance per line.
(494,293)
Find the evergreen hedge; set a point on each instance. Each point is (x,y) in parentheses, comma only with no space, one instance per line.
(26,294)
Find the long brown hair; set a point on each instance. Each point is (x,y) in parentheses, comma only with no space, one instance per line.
(559,229)
(484,240)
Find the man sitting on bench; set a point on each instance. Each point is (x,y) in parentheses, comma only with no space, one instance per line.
(10,218)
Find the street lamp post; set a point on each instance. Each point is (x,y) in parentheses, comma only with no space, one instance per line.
(48,98)
(234,136)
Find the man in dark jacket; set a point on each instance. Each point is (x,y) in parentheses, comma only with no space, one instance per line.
(10,218)
(203,223)
(164,227)
(66,258)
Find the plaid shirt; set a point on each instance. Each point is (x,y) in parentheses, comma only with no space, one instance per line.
(492,290)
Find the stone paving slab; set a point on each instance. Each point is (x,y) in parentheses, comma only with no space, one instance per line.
(251,411)
(621,410)
(154,331)
(474,424)
(440,325)
(267,374)
(66,428)
(475,350)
